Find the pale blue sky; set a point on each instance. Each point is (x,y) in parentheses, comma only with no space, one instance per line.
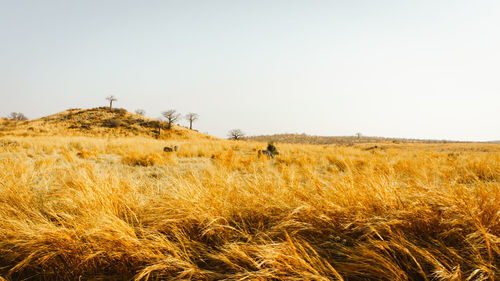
(417,69)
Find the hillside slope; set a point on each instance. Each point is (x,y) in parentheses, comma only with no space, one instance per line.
(100,121)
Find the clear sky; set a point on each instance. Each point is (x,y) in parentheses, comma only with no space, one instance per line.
(416,69)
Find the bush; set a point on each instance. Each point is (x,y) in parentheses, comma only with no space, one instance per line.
(119,111)
(271,148)
(112,123)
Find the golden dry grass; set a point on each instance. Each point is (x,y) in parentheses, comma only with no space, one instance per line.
(94,208)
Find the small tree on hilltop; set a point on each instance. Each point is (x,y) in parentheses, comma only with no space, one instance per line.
(171,116)
(191,117)
(18,116)
(235,134)
(111,99)
(140,112)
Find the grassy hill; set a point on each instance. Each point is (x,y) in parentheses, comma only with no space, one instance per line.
(100,121)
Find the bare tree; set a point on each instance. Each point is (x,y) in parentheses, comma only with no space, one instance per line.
(140,112)
(235,134)
(171,116)
(111,99)
(18,116)
(191,117)
(358,135)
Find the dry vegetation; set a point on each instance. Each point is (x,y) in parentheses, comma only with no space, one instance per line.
(119,208)
(346,140)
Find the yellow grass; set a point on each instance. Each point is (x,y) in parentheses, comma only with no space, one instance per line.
(122,209)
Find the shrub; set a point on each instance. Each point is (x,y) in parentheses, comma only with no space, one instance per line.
(120,111)
(271,148)
(112,123)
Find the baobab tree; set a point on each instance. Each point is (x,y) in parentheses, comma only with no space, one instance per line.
(235,134)
(171,116)
(111,99)
(191,117)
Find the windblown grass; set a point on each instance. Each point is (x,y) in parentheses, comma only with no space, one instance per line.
(121,209)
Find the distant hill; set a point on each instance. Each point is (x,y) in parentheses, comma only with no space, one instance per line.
(308,139)
(100,121)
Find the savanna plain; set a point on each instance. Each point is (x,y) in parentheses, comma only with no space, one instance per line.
(107,203)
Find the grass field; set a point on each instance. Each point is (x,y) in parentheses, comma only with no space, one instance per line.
(119,208)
